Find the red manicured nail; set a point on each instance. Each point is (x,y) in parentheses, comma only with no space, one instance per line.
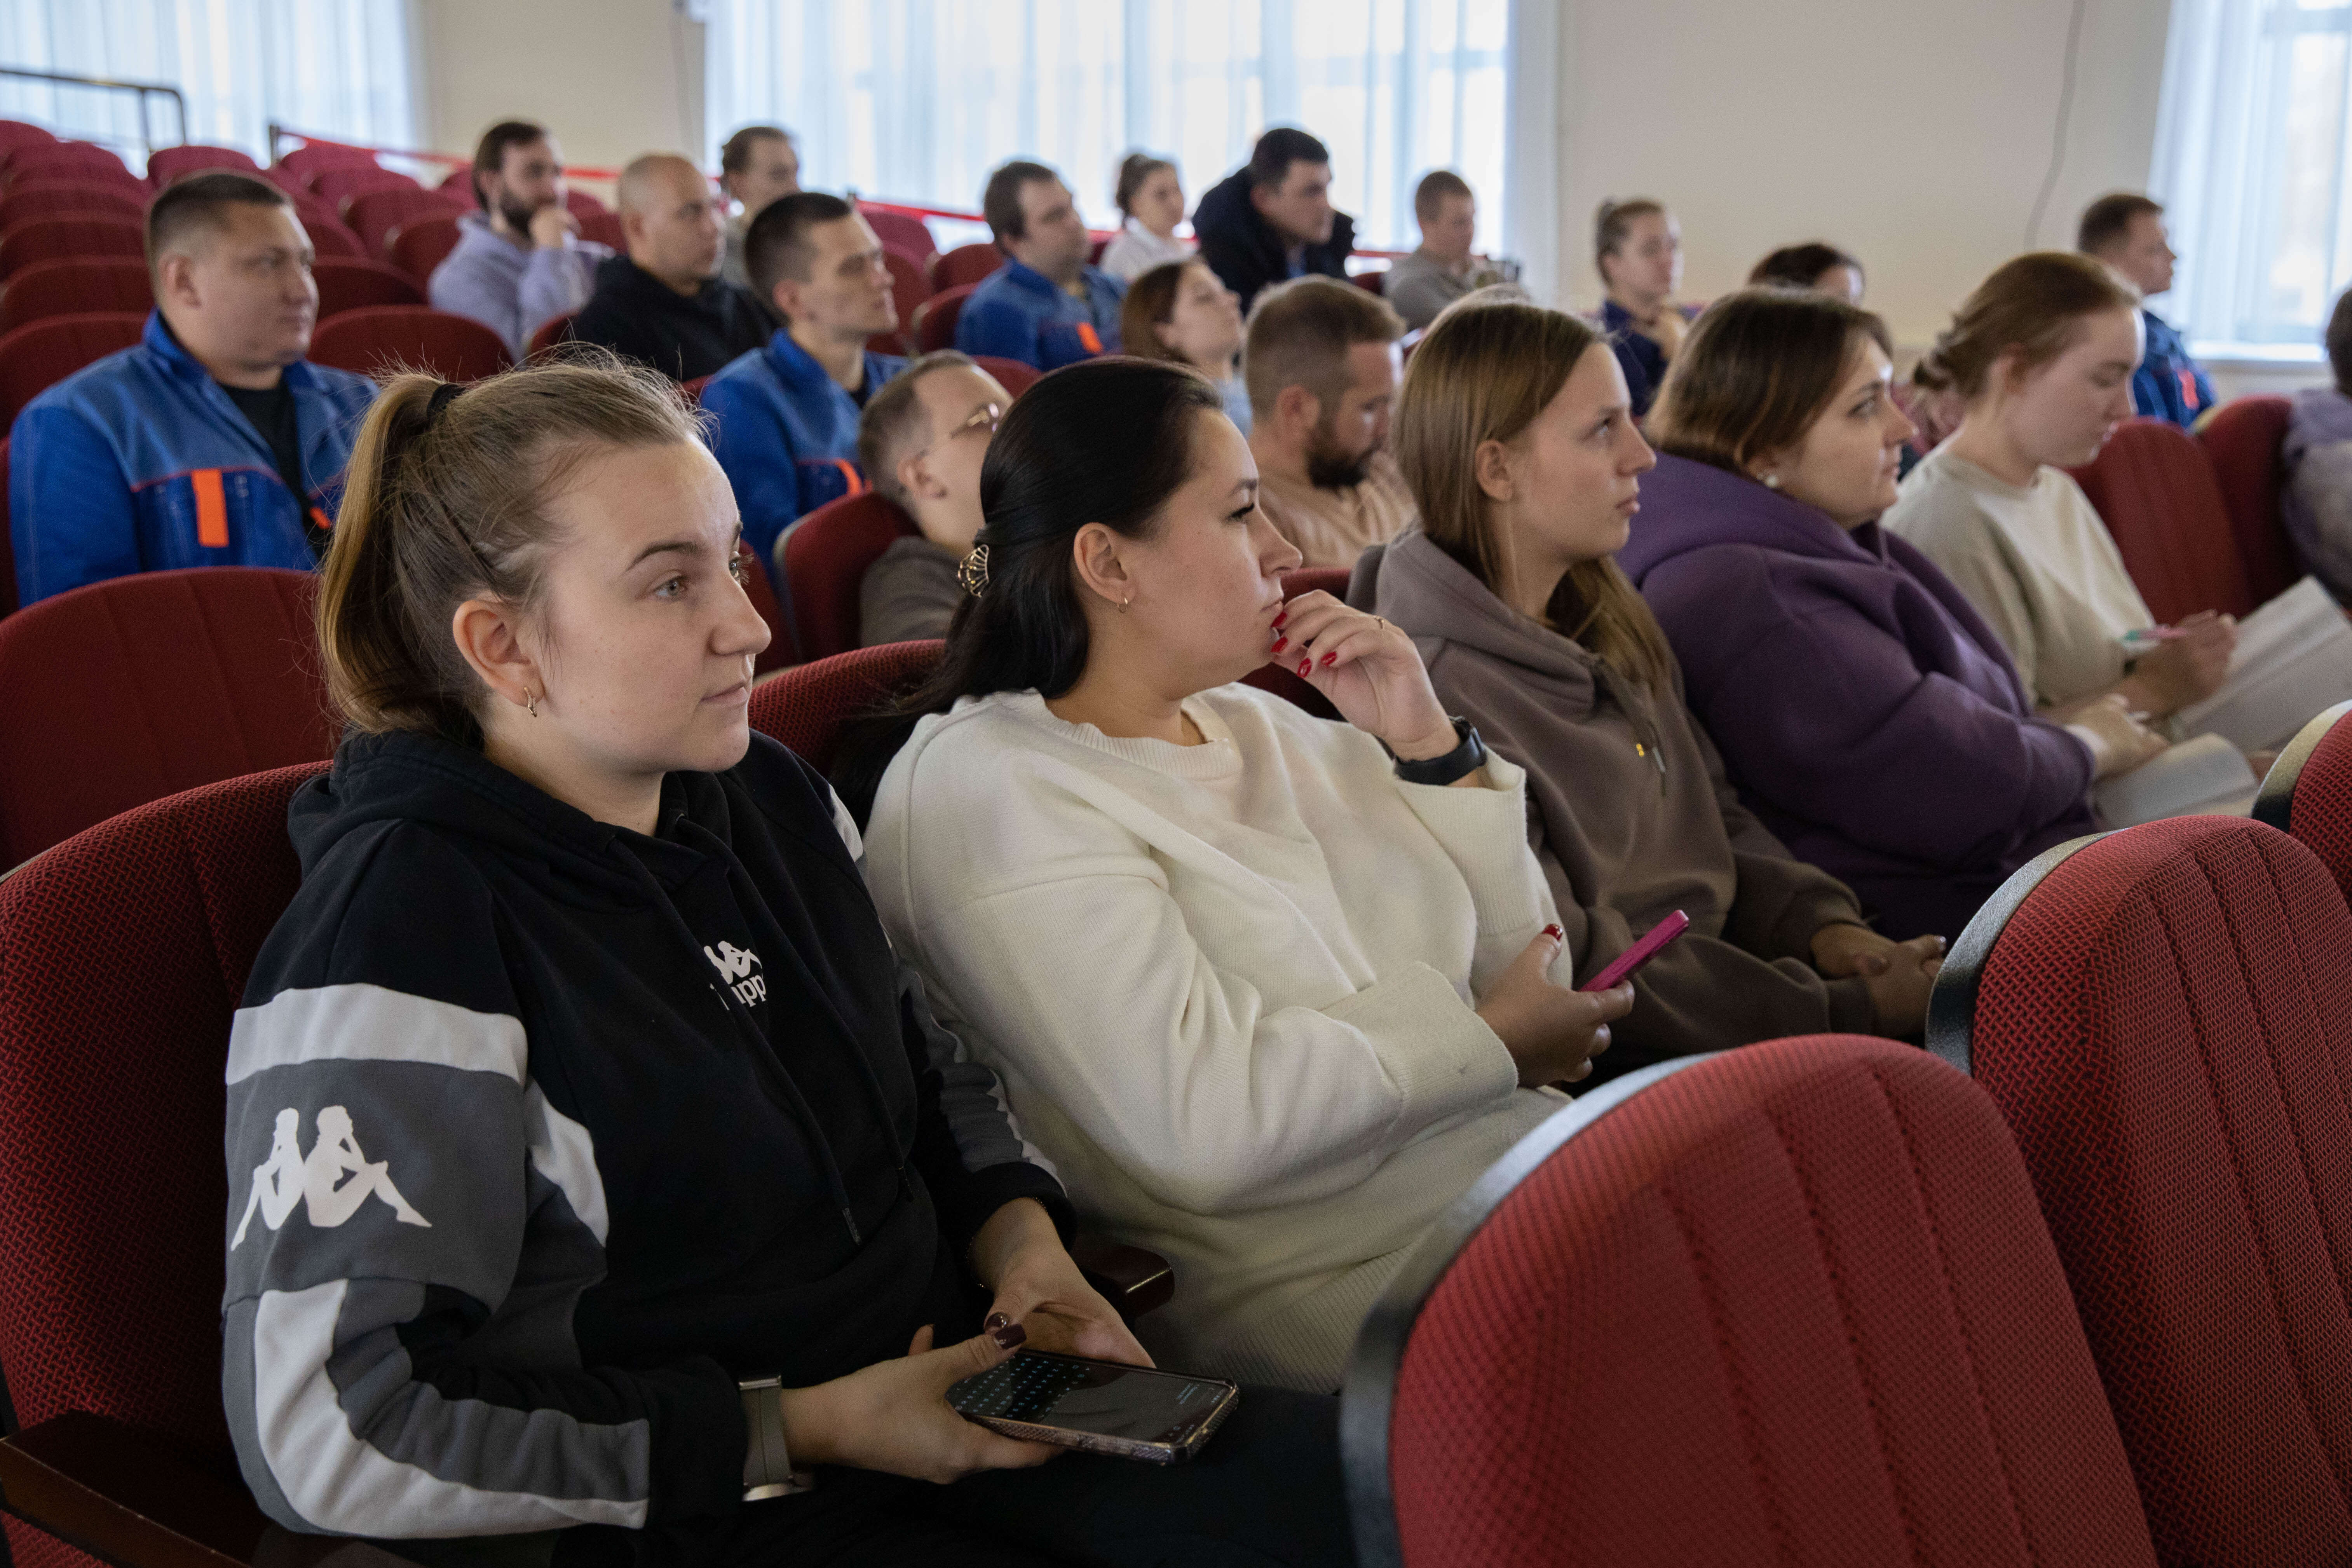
(1329,659)
(1304,665)
(1010,1336)
(1281,642)
(1555,933)
(995,1321)
(1280,619)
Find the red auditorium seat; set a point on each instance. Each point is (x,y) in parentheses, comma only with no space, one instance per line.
(124,691)
(167,164)
(909,290)
(2155,491)
(65,198)
(459,182)
(692,391)
(579,204)
(41,353)
(338,187)
(7,562)
(2308,793)
(66,287)
(454,348)
(826,554)
(2164,1017)
(902,232)
(965,265)
(1790,1304)
(16,133)
(333,242)
(422,244)
(346,283)
(82,160)
(2241,439)
(56,238)
(312,159)
(1012,374)
(604,229)
(556,330)
(935,319)
(375,215)
(805,708)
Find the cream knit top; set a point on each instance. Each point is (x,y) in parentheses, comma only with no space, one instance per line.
(1228,988)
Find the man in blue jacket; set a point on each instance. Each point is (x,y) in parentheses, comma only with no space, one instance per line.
(212,442)
(2127,231)
(1045,307)
(788,413)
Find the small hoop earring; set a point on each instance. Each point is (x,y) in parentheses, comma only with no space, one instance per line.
(529,703)
(1123,603)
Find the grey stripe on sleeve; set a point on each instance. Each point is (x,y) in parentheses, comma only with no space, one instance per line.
(972,1099)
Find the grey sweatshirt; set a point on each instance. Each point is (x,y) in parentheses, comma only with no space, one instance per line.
(1629,816)
(511,288)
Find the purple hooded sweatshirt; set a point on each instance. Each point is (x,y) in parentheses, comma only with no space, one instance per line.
(1864,709)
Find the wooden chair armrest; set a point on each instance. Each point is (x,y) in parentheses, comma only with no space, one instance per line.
(126,1498)
(1130,1279)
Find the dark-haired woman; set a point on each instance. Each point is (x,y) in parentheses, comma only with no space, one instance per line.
(1815,264)
(1150,197)
(1271,991)
(1183,313)
(639,1183)
(1515,432)
(1863,708)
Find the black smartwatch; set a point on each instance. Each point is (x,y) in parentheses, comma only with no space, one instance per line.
(1468,757)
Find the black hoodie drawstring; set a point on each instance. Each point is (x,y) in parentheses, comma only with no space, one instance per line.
(762,1052)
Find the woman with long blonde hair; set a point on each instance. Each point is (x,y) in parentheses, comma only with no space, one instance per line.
(1516,433)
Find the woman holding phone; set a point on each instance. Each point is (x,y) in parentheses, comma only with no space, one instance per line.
(674,1197)
(1271,991)
(1516,433)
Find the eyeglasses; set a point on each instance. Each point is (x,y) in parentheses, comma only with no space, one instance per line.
(987,416)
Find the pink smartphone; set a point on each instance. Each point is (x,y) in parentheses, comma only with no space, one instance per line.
(1653,941)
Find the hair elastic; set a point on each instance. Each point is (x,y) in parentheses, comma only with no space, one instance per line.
(443,396)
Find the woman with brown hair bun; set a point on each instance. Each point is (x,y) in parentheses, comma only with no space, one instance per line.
(1515,432)
(1863,708)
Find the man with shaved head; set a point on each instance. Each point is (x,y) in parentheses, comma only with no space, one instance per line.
(212,442)
(664,302)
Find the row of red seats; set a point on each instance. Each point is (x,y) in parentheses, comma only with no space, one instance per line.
(1823,1301)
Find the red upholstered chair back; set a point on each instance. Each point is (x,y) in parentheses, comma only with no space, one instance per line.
(338,185)
(2164,1017)
(908,288)
(1012,374)
(577,201)
(368,341)
(422,244)
(604,229)
(374,214)
(1790,1303)
(331,240)
(83,160)
(459,182)
(965,265)
(30,199)
(825,556)
(2309,792)
(312,159)
(553,330)
(7,554)
(167,164)
(2156,490)
(41,353)
(57,238)
(902,232)
(2242,440)
(122,692)
(122,957)
(16,133)
(108,283)
(806,707)
(349,284)
(935,319)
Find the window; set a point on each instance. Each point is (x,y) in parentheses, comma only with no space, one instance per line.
(916,100)
(339,67)
(2250,162)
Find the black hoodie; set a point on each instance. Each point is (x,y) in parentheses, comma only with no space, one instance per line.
(1243,249)
(595,1124)
(684,336)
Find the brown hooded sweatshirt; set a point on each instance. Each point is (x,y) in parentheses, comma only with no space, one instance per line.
(1631,818)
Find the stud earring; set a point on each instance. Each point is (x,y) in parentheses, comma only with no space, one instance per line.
(1771,481)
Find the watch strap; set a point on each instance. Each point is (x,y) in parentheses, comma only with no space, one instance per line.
(767,1465)
(1468,755)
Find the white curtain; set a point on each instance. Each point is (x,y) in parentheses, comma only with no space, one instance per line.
(343,68)
(2250,161)
(916,100)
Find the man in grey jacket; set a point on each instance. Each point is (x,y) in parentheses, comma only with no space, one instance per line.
(520,262)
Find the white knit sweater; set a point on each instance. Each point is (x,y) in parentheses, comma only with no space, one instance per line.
(1228,988)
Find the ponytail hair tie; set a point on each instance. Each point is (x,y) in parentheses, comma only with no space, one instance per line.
(443,396)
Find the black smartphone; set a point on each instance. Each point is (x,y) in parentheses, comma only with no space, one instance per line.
(1099,1406)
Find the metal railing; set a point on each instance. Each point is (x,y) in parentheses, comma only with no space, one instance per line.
(145,89)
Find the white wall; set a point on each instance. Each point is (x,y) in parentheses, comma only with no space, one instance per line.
(612,77)
(1915,134)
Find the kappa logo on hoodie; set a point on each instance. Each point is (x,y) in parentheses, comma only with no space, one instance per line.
(735,966)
